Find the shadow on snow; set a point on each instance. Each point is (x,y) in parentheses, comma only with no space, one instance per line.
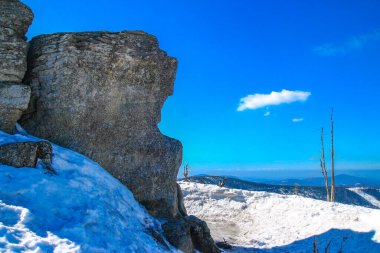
(346,240)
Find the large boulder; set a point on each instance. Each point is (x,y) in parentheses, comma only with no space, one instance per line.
(15,18)
(101,94)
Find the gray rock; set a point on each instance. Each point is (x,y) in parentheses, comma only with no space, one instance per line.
(101,94)
(181,205)
(26,154)
(200,234)
(188,234)
(15,19)
(158,237)
(14,99)
(177,232)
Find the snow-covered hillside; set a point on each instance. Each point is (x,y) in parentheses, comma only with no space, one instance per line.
(257,221)
(82,209)
(360,191)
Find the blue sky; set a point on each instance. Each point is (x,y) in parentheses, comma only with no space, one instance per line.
(228,50)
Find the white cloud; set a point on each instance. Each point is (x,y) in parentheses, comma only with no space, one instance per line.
(267,113)
(353,43)
(274,98)
(297,119)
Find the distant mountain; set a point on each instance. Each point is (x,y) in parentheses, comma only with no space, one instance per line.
(340,180)
(342,193)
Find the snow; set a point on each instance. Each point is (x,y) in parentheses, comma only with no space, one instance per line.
(255,221)
(369,198)
(82,209)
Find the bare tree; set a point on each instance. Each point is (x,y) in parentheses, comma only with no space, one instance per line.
(332,158)
(323,166)
(186,172)
(222,182)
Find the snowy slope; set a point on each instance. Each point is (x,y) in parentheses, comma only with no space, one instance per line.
(82,209)
(342,194)
(256,221)
(366,196)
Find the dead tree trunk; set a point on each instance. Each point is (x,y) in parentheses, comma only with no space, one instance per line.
(186,172)
(332,158)
(324,170)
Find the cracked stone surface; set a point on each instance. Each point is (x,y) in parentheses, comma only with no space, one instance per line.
(101,94)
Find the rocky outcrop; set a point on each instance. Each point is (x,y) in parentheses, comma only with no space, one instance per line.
(14,99)
(101,94)
(15,18)
(26,154)
(190,233)
(200,235)
(177,232)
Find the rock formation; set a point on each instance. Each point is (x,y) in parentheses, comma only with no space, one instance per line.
(101,94)
(15,19)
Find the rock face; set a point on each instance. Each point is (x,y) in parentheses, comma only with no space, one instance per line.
(15,19)
(14,99)
(181,205)
(178,234)
(200,235)
(101,94)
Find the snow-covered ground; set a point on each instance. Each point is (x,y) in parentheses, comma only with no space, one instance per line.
(369,198)
(82,209)
(257,221)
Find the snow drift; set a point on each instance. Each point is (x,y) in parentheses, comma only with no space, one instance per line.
(82,209)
